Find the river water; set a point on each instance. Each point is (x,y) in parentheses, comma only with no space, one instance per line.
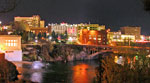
(59,72)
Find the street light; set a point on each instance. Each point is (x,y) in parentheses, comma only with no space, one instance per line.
(70,39)
(0,22)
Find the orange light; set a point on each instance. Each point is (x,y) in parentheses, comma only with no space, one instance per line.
(108,30)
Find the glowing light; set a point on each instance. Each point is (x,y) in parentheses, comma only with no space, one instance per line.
(37,65)
(70,39)
(81,74)
(59,38)
(36,41)
(2,49)
(108,30)
(116,59)
(50,38)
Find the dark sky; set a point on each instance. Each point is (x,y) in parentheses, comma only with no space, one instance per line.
(112,13)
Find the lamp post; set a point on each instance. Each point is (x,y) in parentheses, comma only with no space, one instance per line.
(0,25)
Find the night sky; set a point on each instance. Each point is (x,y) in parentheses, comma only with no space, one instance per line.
(112,13)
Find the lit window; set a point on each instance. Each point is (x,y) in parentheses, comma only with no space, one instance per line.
(15,44)
(8,44)
(99,38)
(90,37)
(11,43)
(99,35)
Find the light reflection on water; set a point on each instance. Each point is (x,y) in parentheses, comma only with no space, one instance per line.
(72,72)
(83,73)
(36,77)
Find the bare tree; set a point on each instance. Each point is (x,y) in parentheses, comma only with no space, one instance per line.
(146,5)
(8,5)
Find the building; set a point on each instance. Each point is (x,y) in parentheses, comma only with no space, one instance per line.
(41,30)
(42,23)
(91,27)
(93,37)
(34,21)
(114,37)
(117,37)
(61,28)
(92,34)
(130,30)
(11,46)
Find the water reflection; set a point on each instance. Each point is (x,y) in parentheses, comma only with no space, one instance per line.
(36,77)
(82,73)
(72,72)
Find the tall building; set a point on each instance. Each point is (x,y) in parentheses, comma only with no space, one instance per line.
(131,30)
(34,21)
(11,46)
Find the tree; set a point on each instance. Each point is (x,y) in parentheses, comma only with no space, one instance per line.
(65,36)
(25,36)
(20,26)
(146,5)
(8,5)
(53,35)
(44,35)
(132,69)
(39,35)
(31,35)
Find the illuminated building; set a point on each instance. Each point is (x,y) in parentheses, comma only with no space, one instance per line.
(93,37)
(34,21)
(41,30)
(118,37)
(92,34)
(136,31)
(114,36)
(42,23)
(11,46)
(63,27)
(91,27)
(128,38)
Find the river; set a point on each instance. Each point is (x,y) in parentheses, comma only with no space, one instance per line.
(59,72)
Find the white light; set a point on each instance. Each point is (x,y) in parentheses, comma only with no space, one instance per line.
(37,65)
(0,22)
(50,38)
(36,41)
(49,24)
(70,39)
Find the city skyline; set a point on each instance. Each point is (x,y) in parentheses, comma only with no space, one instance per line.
(113,14)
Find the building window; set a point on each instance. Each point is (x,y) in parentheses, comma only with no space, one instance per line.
(99,38)
(99,42)
(94,37)
(11,43)
(90,37)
